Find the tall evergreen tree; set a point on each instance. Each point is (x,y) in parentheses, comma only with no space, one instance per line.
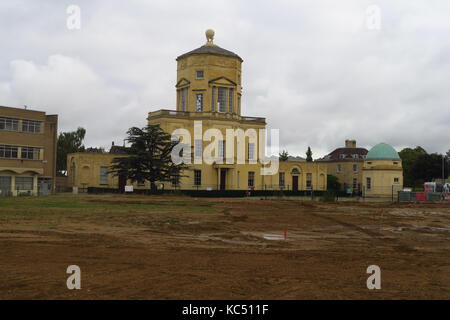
(149,157)
(309,155)
(284,156)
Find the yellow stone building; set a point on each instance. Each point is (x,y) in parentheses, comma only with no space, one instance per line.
(382,172)
(27,152)
(346,163)
(209,121)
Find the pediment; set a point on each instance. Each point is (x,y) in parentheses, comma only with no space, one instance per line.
(182,82)
(222,81)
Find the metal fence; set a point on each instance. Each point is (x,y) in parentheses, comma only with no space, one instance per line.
(409,196)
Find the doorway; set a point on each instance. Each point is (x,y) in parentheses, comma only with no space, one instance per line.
(294,183)
(223,176)
(122,183)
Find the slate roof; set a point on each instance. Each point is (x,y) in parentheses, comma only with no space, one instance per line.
(211,49)
(347,152)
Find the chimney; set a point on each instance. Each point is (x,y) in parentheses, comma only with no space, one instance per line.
(350,143)
(112,143)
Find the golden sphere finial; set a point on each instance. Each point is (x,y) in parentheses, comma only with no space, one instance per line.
(209,36)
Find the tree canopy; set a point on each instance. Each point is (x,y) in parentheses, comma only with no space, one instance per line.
(149,157)
(284,156)
(419,166)
(68,142)
(309,155)
(333,183)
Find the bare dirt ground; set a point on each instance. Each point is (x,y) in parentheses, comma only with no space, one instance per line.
(141,247)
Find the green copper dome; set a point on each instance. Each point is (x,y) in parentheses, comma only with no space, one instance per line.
(382,151)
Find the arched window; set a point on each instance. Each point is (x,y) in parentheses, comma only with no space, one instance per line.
(295,171)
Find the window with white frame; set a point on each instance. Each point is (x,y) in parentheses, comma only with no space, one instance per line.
(281,179)
(251,151)
(10,152)
(9,124)
(222,99)
(230,101)
(309,180)
(199,74)
(24,183)
(103,175)
(199,102)
(31,126)
(198,148)
(251,179)
(30,153)
(355,168)
(221,149)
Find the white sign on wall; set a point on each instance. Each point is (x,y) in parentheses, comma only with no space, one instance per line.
(128,188)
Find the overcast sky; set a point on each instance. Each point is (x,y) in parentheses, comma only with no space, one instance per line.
(320,71)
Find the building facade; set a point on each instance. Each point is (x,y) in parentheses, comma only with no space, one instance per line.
(346,163)
(382,172)
(27,152)
(208,116)
(209,91)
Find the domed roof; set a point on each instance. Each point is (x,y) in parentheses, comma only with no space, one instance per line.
(382,151)
(210,48)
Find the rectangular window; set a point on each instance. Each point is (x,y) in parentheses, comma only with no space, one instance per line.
(222,99)
(103,175)
(251,151)
(199,74)
(395,180)
(24,183)
(368,183)
(30,153)
(183,99)
(199,102)
(251,179)
(141,183)
(230,101)
(8,152)
(31,126)
(9,124)
(338,168)
(221,149)
(355,168)
(281,179)
(198,148)
(197,177)
(309,180)
(213,99)
(355,183)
